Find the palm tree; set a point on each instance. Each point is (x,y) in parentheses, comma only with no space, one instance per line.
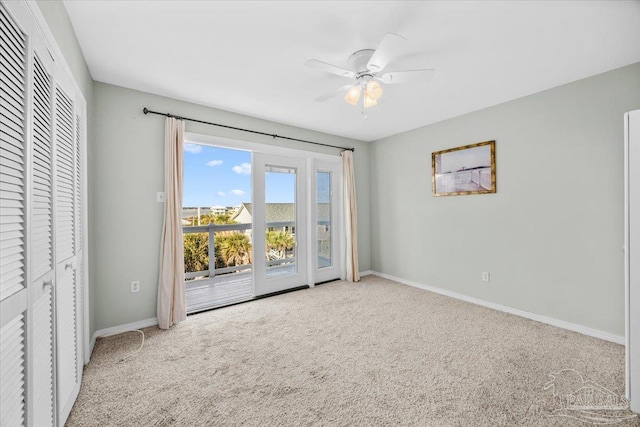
(235,249)
(279,241)
(196,252)
(269,243)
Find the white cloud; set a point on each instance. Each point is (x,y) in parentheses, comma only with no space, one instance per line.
(220,194)
(193,148)
(237,192)
(214,163)
(243,168)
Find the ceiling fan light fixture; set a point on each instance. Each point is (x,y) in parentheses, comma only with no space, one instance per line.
(374,90)
(368,102)
(353,95)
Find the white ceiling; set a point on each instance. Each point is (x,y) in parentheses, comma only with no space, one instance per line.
(248,57)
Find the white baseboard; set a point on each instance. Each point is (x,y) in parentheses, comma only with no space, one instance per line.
(114,330)
(596,333)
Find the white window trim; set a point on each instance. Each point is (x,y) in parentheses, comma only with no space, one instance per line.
(257,147)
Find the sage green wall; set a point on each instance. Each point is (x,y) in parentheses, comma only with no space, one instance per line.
(58,22)
(129,170)
(551,236)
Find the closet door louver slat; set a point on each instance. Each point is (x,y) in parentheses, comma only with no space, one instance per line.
(78,201)
(42,359)
(12,353)
(12,178)
(42,234)
(13,287)
(65,238)
(42,262)
(66,341)
(67,344)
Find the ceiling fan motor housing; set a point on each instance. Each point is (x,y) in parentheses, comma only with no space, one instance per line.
(359,61)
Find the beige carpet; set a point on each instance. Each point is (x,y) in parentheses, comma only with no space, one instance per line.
(376,353)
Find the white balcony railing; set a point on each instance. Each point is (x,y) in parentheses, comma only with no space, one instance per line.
(211,229)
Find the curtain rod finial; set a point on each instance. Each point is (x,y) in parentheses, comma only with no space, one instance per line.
(145,110)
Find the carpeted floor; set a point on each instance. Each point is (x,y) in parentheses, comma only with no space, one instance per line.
(375,353)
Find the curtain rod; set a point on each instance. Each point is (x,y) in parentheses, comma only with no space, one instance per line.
(273,135)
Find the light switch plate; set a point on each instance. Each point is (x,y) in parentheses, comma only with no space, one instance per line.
(160,196)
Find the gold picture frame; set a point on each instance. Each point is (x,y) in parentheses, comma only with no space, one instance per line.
(459,171)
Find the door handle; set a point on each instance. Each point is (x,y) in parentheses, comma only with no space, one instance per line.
(68,266)
(47,283)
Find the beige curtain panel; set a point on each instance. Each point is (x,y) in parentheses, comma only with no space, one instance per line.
(171,290)
(351,217)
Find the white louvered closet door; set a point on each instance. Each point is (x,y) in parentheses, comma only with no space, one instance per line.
(67,297)
(42,143)
(42,262)
(13,219)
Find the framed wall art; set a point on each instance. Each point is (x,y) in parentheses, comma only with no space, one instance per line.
(470,169)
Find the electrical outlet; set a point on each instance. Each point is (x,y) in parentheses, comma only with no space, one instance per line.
(485,276)
(160,196)
(135,286)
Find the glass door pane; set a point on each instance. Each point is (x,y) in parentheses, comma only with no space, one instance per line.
(216,226)
(280,221)
(323,225)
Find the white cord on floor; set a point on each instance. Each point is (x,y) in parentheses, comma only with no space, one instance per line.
(134,352)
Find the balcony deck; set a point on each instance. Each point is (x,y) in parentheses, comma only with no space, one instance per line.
(225,289)
(204,294)
(233,287)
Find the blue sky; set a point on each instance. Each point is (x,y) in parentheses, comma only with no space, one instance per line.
(220,176)
(215,176)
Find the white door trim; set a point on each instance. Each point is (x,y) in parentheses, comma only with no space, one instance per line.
(632,255)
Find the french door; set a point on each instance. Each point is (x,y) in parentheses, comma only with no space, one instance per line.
(284,231)
(279,223)
(326,221)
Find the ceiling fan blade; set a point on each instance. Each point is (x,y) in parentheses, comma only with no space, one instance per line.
(410,76)
(333,93)
(390,46)
(333,69)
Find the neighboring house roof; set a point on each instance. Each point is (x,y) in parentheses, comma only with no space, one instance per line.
(282,212)
(244,206)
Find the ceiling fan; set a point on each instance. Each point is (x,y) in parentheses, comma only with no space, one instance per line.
(367,68)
